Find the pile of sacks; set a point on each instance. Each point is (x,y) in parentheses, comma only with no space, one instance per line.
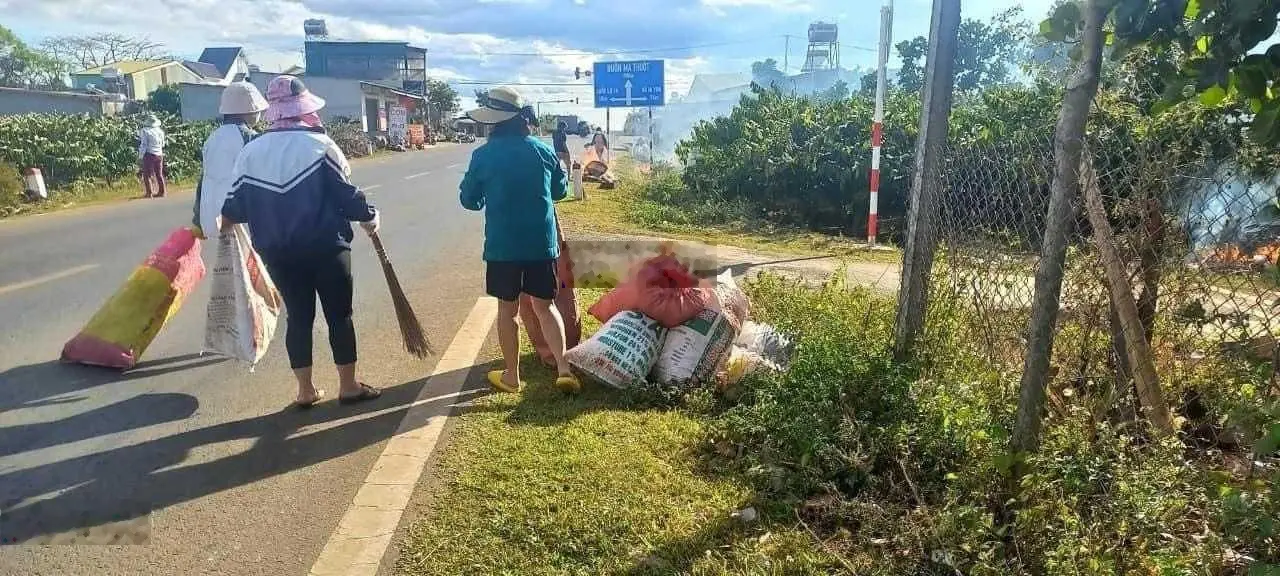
(666,326)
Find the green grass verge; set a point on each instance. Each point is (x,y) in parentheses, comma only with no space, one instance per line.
(624,210)
(88,195)
(543,483)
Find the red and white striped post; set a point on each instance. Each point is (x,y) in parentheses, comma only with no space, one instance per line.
(877,125)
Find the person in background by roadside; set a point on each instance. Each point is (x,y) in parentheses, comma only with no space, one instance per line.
(151,156)
(600,145)
(516,179)
(241,108)
(560,141)
(291,187)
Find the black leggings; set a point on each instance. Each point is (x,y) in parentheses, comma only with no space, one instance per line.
(299,280)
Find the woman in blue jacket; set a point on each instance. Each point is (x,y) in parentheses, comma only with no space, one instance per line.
(516,179)
(290,186)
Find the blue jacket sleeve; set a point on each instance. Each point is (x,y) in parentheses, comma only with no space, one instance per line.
(350,200)
(472,195)
(559,180)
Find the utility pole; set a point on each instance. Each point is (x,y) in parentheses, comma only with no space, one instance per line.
(786,54)
(877,125)
(917,260)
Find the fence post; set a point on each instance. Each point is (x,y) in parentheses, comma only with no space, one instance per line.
(917,260)
(1068,146)
(1137,349)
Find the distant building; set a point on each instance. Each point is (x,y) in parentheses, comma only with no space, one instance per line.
(394,64)
(135,79)
(229,63)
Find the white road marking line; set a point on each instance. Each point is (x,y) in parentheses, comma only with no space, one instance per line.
(45,279)
(370,187)
(358,544)
(418,175)
(452,166)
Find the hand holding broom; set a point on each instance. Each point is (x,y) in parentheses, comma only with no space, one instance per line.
(415,338)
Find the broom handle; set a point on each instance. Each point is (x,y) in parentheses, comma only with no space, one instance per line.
(377,246)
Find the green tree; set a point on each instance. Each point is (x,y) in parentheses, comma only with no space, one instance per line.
(23,67)
(837,91)
(1214,50)
(987,53)
(766,73)
(442,98)
(166,99)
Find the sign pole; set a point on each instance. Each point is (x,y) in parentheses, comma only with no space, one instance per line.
(651,136)
(877,126)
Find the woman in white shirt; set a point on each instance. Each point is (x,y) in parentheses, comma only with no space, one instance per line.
(151,155)
(241,108)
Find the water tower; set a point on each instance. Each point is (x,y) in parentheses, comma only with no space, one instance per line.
(824,48)
(315,29)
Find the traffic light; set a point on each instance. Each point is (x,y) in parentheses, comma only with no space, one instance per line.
(577,73)
(575,100)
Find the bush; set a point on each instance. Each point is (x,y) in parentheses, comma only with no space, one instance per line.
(349,136)
(71,149)
(12,189)
(904,469)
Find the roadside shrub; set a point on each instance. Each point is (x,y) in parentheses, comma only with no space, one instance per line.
(349,137)
(71,149)
(11,189)
(905,469)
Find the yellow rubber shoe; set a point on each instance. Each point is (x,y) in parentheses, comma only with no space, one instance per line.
(569,384)
(495,382)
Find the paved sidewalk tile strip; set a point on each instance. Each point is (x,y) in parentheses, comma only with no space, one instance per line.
(356,547)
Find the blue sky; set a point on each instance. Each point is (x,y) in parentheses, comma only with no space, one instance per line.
(473,39)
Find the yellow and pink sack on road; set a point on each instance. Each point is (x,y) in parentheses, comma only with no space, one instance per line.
(120,332)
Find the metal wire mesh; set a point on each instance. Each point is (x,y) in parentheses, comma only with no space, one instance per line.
(1197,230)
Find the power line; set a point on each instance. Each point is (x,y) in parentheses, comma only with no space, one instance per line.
(603,52)
(497,83)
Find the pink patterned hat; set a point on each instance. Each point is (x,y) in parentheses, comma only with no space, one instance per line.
(288,97)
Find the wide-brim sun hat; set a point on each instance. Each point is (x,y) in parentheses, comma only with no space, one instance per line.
(241,98)
(503,103)
(288,97)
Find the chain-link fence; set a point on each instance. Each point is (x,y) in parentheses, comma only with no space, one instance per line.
(1193,217)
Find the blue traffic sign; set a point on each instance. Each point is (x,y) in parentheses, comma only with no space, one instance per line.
(629,84)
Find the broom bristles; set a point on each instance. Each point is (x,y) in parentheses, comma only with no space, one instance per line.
(415,338)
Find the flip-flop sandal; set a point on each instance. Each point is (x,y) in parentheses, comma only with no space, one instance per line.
(495,382)
(569,384)
(312,404)
(366,393)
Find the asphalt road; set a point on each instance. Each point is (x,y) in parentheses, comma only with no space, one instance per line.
(189,464)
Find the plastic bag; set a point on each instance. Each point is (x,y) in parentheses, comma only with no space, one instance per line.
(731,299)
(244,305)
(621,353)
(662,289)
(120,332)
(758,347)
(694,350)
(766,342)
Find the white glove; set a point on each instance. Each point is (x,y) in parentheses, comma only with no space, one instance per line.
(372,226)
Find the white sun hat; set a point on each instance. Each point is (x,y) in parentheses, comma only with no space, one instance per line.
(241,98)
(503,103)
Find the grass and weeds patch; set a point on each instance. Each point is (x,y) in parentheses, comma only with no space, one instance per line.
(543,483)
(83,194)
(857,465)
(657,203)
(904,469)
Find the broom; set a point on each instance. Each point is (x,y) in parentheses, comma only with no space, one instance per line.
(415,338)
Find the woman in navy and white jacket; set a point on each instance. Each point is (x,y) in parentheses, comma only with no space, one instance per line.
(291,188)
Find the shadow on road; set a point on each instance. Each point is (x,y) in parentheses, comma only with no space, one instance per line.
(41,384)
(128,482)
(131,414)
